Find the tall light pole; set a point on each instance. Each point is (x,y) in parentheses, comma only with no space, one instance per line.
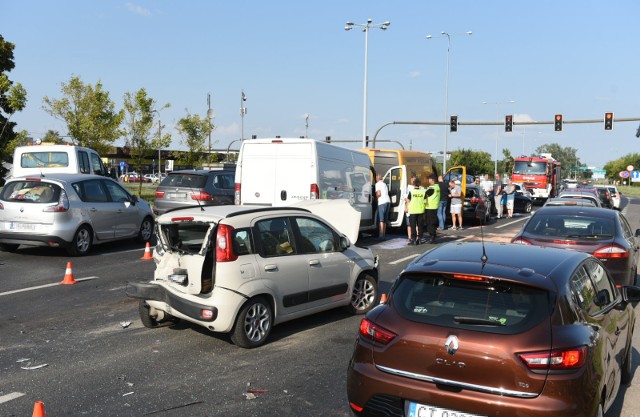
(365,28)
(159,146)
(446,98)
(210,116)
(497,103)
(243,111)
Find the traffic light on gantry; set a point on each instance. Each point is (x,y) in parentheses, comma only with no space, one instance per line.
(508,123)
(558,123)
(453,124)
(608,121)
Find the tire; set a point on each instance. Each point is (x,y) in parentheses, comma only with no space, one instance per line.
(627,367)
(364,296)
(146,318)
(8,247)
(82,242)
(253,324)
(146,230)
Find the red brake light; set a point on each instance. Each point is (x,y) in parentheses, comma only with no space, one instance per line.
(34,179)
(470,277)
(201,196)
(182,219)
(315,192)
(159,194)
(378,334)
(224,250)
(475,200)
(611,252)
(521,241)
(558,359)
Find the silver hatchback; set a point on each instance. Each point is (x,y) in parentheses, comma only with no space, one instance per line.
(73,211)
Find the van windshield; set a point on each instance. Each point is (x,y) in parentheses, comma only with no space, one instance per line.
(44,160)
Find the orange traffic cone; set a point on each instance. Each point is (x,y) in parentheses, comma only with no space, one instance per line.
(68,275)
(38,409)
(383,298)
(147,252)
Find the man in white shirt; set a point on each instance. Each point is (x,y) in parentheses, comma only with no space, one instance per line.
(384,202)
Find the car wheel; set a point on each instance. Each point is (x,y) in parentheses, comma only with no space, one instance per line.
(365,294)
(627,367)
(146,230)
(527,207)
(149,321)
(81,244)
(8,247)
(253,324)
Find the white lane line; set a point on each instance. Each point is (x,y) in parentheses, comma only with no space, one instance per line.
(397,261)
(42,286)
(9,397)
(512,222)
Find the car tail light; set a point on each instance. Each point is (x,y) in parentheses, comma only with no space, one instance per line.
(224,250)
(611,252)
(182,219)
(475,200)
(521,241)
(560,359)
(62,206)
(1,206)
(315,192)
(470,278)
(201,196)
(236,196)
(378,334)
(159,194)
(356,408)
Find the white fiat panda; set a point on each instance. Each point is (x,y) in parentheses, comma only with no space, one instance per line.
(241,270)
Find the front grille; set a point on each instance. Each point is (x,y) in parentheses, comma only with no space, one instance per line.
(384,406)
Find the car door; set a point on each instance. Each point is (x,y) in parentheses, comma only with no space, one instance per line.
(396,180)
(127,212)
(98,208)
(283,270)
(634,249)
(328,268)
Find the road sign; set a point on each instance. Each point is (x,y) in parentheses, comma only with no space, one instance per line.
(630,168)
(624,174)
(635,176)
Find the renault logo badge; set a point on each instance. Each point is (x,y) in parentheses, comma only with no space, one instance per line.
(452,345)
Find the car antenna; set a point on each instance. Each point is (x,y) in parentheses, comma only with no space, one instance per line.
(484,257)
(197,199)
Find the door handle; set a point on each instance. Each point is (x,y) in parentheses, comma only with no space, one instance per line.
(271,267)
(314,262)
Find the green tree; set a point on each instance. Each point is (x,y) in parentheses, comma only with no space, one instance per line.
(195,131)
(614,167)
(89,113)
(477,162)
(507,162)
(52,136)
(13,98)
(567,156)
(138,120)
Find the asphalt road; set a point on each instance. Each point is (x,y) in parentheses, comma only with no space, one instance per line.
(87,354)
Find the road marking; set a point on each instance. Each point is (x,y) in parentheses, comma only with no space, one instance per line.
(397,261)
(37,287)
(9,397)
(512,222)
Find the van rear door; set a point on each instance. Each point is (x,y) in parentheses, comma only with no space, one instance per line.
(396,180)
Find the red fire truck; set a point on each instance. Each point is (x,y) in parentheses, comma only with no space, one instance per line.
(540,175)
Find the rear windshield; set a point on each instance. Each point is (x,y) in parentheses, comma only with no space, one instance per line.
(576,227)
(493,306)
(185,180)
(44,160)
(185,236)
(30,192)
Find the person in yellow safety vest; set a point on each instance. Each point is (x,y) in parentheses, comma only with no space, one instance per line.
(431,209)
(416,201)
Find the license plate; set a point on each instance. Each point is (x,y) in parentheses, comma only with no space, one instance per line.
(21,226)
(424,410)
(176,195)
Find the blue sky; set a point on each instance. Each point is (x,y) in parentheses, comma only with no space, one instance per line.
(577,58)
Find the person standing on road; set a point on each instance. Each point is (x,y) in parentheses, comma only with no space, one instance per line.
(510,191)
(442,206)
(416,200)
(411,186)
(455,195)
(497,195)
(384,202)
(487,186)
(433,202)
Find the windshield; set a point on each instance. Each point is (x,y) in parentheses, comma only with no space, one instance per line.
(185,237)
(526,167)
(583,227)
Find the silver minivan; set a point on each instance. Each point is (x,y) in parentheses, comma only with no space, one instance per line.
(73,211)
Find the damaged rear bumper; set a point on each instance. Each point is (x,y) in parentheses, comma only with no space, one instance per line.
(153,292)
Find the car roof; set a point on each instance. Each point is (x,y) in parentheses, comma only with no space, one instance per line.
(216,213)
(571,201)
(67,177)
(573,210)
(529,264)
(204,171)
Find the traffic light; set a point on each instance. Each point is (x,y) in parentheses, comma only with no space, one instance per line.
(454,124)
(608,121)
(558,123)
(508,123)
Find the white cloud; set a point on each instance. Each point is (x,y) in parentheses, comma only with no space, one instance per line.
(414,74)
(522,118)
(139,10)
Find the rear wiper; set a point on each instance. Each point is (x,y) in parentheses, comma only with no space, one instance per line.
(477,321)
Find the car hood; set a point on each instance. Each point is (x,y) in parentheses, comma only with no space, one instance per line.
(339,213)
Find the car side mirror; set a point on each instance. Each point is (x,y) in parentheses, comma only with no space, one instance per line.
(134,199)
(637,232)
(344,243)
(631,294)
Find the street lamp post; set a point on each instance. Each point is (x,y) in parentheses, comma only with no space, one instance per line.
(446,98)
(243,111)
(365,28)
(497,103)
(210,116)
(159,145)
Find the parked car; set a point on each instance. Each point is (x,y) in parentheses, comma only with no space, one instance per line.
(186,188)
(133,177)
(242,269)
(568,201)
(495,330)
(476,206)
(73,211)
(606,234)
(591,196)
(522,202)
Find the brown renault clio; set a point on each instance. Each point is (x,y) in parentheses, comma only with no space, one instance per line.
(495,330)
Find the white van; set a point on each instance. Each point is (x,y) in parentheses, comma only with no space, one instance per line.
(281,172)
(36,160)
